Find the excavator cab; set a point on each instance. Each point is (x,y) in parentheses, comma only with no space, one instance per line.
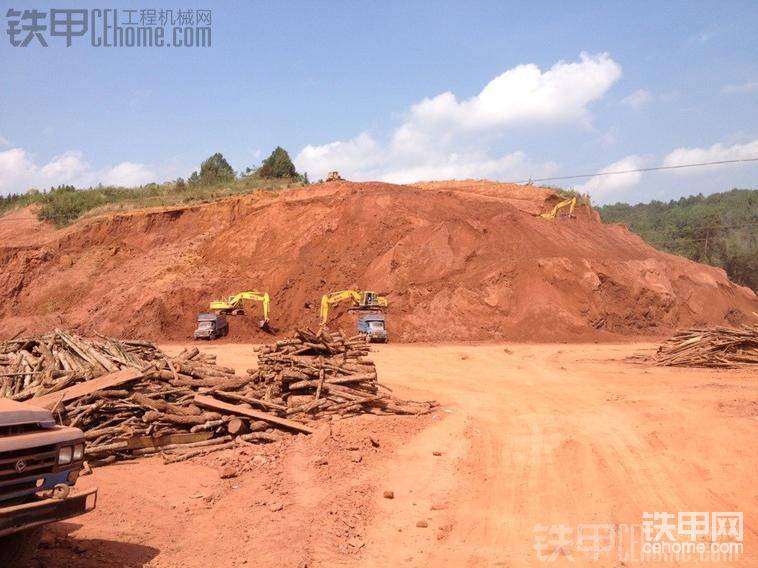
(371,300)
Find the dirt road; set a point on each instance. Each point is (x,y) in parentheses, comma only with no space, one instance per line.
(548,435)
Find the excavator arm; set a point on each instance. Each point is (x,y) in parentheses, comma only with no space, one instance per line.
(361,300)
(234,303)
(570,203)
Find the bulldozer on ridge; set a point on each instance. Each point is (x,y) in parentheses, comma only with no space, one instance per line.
(334,176)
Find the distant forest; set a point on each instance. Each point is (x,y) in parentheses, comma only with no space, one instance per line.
(720,229)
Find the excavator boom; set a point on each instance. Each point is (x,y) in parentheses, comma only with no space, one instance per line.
(234,304)
(361,300)
(570,203)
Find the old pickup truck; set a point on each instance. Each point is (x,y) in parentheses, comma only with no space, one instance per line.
(40,462)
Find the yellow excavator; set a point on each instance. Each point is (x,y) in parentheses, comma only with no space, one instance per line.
(233,305)
(570,203)
(361,301)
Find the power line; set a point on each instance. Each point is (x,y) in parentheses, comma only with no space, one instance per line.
(640,170)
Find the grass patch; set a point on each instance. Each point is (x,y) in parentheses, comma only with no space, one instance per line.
(65,204)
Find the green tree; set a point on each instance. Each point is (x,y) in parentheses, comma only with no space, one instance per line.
(194,179)
(277,165)
(717,229)
(216,170)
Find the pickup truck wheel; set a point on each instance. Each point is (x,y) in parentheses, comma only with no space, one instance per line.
(16,550)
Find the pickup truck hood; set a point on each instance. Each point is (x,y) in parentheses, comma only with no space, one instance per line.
(13,413)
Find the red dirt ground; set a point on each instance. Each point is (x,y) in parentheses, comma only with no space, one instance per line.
(526,435)
(459,260)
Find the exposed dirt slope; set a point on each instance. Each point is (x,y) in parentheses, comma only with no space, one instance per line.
(22,227)
(460,262)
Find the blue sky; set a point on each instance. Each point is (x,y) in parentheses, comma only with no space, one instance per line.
(399,91)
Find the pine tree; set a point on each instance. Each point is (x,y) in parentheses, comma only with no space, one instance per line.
(216,169)
(277,165)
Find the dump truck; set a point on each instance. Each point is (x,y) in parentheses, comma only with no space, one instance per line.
(40,463)
(211,326)
(374,327)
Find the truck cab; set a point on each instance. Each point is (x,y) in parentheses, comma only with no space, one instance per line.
(374,327)
(211,326)
(40,462)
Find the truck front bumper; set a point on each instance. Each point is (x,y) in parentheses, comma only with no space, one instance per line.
(29,515)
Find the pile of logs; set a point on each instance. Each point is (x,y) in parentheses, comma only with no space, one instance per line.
(131,399)
(722,347)
(34,366)
(317,375)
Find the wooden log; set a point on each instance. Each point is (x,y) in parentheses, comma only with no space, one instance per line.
(194,453)
(166,407)
(210,425)
(105,448)
(211,402)
(156,416)
(251,400)
(88,387)
(137,442)
(200,444)
(261,437)
(237,426)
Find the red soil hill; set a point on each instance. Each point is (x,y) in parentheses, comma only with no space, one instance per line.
(459,260)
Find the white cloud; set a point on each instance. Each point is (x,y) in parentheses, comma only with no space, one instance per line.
(442,137)
(360,154)
(602,187)
(128,174)
(714,153)
(4,141)
(524,94)
(637,99)
(16,170)
(748,87)
(471,165)
(19,172)
(66,168)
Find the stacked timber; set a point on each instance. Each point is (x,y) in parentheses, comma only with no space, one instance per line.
(34,366)
(131,399)
(317,375)
(722,347)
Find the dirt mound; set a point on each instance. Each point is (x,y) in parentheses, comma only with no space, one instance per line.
(459,261)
